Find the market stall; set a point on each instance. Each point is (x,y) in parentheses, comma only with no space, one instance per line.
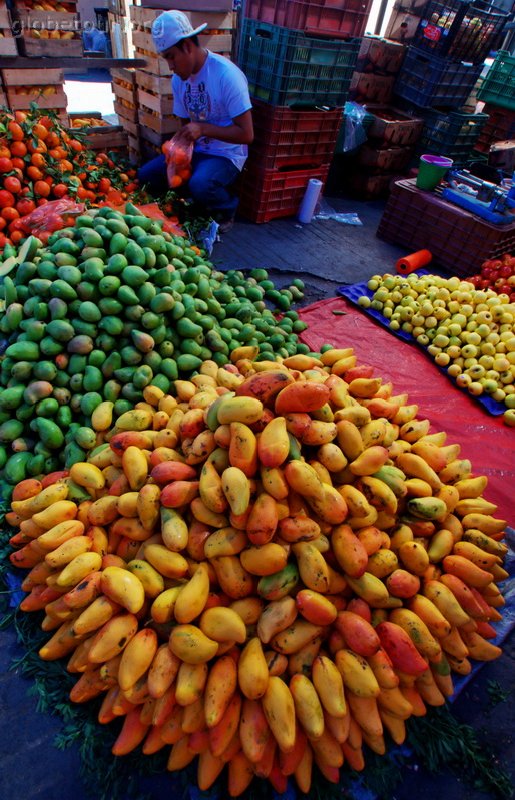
(250,545)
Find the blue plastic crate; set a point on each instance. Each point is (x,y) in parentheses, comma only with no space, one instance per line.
(287,67)
(426,80)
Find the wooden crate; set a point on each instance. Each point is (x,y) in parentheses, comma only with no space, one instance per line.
(125,113)
(162,104)
(32,77)
(189,5)
(132,128)
(153,83)
(21,102)
(217,43)
(101,137)
(142,18)
(47,20)
(56,48)
(5,16)
(161,125)
(8,45)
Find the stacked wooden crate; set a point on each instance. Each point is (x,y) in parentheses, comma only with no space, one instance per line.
(156,119)
(45,87)
(53,32)
(379,62)
(126,107)
(7,40)
(392,137)
(101,135)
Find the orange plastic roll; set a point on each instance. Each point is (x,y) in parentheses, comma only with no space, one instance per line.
(414,261)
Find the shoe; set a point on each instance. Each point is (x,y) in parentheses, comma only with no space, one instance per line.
(225,225)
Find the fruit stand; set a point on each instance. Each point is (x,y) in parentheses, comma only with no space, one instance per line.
(250,547)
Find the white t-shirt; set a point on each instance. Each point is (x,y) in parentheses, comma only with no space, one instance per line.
(216,94)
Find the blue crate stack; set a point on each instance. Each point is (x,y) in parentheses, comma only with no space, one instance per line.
(441,68)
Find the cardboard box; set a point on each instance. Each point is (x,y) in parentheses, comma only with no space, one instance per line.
(369,88)
(380,56)
(402,26)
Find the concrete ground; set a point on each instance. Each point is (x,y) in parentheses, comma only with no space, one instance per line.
(325,254)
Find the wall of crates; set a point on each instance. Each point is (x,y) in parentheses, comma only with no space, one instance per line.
(299,59)
(442,66)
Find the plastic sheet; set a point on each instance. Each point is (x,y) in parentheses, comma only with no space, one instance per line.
(325,211)
(485,440)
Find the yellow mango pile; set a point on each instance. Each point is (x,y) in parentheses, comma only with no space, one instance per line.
(273,568)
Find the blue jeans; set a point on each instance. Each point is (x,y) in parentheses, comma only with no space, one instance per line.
(209,185)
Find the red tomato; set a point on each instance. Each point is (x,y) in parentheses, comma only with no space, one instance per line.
(6,198)
(25,206)
(6,165)
(12,184)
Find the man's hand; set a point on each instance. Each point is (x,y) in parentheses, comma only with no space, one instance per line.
(190,132)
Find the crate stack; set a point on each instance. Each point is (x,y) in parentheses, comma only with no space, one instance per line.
(299,57)
(498,93)
(45,87)
(156,119)
(441,68)
(41,33)
(123,84)
(379,63)
(386,155)
(404,20)
(7,40)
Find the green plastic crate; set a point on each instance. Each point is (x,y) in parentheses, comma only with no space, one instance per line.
(499,85)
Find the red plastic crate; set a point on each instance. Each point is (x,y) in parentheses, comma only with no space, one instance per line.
(287,137)
(267,194)
(459,240)
(336,18)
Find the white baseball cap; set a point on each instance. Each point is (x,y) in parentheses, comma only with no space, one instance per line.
(170,27)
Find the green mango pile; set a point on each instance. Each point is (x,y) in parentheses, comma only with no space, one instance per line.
(108,307)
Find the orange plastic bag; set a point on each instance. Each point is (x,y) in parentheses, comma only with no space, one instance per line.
(178,155)
(51,217)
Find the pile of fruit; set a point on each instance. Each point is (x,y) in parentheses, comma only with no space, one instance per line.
(41,161)
(45,5)
(89,122)
(269,568)
(109,306)
(468,331)
(497,274)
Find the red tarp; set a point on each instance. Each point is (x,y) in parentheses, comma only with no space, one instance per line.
(485,440)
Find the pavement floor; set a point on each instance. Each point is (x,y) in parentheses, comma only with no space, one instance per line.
(325,254)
